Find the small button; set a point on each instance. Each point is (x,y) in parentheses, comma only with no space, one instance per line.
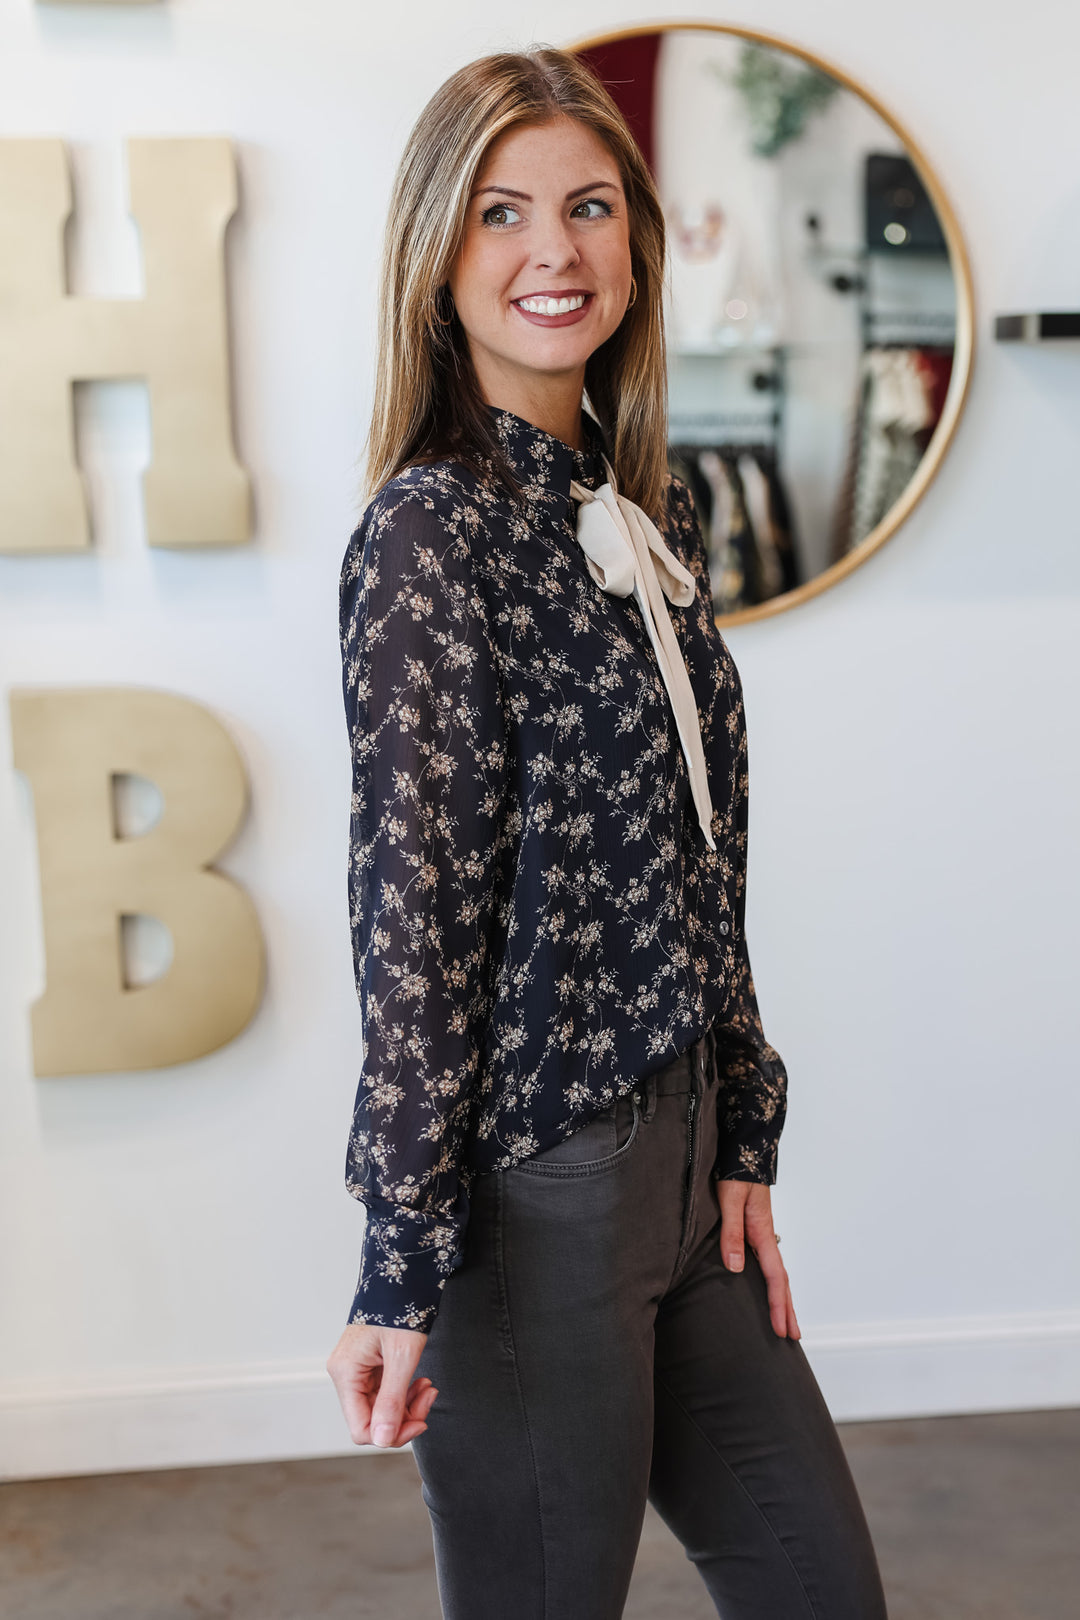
(723,927)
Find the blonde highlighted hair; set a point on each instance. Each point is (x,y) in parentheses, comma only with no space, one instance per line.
(427,399)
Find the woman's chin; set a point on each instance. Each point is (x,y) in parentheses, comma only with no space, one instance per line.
(555,353)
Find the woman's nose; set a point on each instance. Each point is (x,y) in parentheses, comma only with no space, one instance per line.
(555,247)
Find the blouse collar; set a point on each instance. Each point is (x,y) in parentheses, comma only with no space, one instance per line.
(546,464)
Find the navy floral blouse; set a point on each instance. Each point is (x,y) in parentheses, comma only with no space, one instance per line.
(537,920)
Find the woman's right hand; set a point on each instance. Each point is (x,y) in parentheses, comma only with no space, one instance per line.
(372,1370)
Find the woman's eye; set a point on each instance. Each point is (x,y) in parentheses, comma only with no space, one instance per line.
(499,215)
(594,203)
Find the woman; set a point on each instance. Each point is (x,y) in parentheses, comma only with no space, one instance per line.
(567,1119)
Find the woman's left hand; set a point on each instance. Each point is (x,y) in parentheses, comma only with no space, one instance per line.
(746,1217)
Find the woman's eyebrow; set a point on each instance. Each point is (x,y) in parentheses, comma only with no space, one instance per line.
(523,196)
(594,185)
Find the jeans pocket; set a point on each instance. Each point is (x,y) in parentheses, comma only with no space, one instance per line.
(595,1146)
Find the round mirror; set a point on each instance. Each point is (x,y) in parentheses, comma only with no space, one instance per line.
(819,311)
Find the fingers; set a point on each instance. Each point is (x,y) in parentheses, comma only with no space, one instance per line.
(417,1411)
(359,1414)
(356,1405)
(732,1196)
(746,1217)
(395,1386)
(352,1366)
(781,1306)
(371,1368)
(778,1303)
(771,1262)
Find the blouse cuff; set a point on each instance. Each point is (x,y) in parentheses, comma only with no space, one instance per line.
(751,1106)
(751,1157)
(406,1258)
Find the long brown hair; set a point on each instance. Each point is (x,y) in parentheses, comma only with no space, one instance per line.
(427,399)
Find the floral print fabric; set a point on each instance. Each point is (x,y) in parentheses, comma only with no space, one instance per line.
(537,921)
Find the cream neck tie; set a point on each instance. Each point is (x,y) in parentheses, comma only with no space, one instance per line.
(626,555)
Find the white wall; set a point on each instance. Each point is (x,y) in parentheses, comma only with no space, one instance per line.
(177,1251)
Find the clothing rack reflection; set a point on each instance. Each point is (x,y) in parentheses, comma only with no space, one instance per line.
(743,509)
(900,395)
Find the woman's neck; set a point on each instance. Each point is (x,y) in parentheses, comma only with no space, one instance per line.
(552,404)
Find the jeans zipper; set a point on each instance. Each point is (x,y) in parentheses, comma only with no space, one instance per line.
(690,1134)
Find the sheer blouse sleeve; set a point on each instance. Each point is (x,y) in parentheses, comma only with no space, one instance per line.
(429,757)
(753,1078)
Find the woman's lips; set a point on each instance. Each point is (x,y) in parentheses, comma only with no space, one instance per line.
(565,318)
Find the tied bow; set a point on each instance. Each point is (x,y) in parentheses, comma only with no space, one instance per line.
(626,555)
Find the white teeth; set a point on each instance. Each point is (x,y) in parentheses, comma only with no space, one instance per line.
(551,306)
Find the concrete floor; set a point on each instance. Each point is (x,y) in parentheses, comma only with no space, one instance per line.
(974,1518)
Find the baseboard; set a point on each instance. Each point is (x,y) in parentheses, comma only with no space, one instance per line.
(205,1416)
(943,1367)
(199,1416)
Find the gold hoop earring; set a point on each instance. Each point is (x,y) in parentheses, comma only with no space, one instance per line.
(449,320)
(633,293)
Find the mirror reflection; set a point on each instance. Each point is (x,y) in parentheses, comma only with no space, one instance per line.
(812,306)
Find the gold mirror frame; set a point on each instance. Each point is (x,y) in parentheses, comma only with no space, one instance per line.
(964,347)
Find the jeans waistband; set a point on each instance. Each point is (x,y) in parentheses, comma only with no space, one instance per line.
(690,1070)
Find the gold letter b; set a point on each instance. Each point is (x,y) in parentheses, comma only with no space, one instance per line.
(70,744)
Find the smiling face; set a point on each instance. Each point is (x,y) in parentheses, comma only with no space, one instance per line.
(542,277)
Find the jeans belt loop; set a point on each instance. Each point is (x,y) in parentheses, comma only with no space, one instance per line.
(646,1091)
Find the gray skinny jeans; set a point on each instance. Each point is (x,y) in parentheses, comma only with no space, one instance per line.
(593,1351)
